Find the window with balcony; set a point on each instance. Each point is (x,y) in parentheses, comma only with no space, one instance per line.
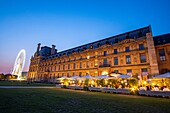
(128,60)
(127,49)
(115,51)
(105,53)
(141,47)
(115,60)
(142,58)
(162,54)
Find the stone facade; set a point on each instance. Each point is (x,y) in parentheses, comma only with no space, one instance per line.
(132,53)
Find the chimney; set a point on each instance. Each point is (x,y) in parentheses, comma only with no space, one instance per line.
(38,48)
(53,50)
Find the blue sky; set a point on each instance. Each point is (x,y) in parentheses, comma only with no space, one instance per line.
(69,23)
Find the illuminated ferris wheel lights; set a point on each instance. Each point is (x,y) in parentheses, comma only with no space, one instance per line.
(19,64)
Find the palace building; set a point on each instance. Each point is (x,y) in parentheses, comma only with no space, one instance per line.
(136,53)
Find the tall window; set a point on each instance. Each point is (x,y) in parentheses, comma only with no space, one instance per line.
(128,61)
(80,64)
(127,49)
(105,53)
(74,66)
(68,66)
(87,64)
(142,58)
(115,60)
(141,47)
(59,67)
(105,61)
(63,67)
(162,54)
(115,51)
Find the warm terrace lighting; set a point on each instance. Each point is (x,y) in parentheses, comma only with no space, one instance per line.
(145,82)
(132,89)
(105,81)
(92,82)
(153,84)
(104,73)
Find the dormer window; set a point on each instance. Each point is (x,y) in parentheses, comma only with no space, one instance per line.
(98,45)
(107,42)
(91,47)
(140,34)
(116,40)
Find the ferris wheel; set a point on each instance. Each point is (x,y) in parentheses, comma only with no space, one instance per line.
(19,64)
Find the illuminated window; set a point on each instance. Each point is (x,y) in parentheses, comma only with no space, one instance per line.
(128,60)
(87,64)
(88,57)
(162,55)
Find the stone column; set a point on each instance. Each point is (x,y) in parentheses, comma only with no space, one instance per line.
(152,55)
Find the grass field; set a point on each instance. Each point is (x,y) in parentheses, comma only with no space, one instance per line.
(72,101)
(18,83)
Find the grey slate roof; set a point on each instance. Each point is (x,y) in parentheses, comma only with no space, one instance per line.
(162,39)
(110,40)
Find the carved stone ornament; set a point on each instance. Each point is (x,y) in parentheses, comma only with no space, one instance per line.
(126,41)
(104,46)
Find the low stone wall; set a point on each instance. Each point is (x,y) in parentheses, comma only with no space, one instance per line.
(120,91)
(155,93)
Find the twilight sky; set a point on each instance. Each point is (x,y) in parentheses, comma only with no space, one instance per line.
(70,23)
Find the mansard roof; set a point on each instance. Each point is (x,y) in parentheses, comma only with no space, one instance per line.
(162,39)
(110,40)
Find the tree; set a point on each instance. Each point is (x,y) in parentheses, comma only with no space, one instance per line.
(133,82)
(2,76)
(100,82)
(115,82)
(87,82)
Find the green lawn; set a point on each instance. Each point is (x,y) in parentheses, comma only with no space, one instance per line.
(75,101)
(21,83)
